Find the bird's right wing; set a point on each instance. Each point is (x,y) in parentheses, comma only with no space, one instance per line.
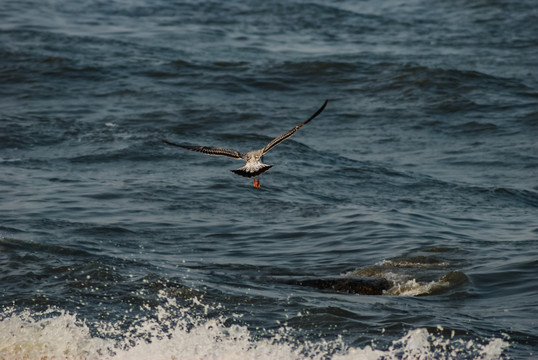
(210,150)
(289,133)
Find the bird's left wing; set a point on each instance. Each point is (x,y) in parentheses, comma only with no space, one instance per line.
(289,133)
(210,150)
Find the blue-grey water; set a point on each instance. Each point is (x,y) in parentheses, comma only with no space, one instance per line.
(422,170)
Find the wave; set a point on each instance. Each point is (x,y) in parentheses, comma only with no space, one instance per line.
(176,332)
(37,248)
(415,275)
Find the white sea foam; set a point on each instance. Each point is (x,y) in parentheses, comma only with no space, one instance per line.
(3,160)
(58,334)
(402,274)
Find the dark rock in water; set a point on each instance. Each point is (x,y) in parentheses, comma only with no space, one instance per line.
(349,284)
(455,278)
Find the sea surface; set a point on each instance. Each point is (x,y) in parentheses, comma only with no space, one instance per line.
(422,170)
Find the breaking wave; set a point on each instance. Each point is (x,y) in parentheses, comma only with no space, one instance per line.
(58,334)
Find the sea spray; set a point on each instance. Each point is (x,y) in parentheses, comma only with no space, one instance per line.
(186,332)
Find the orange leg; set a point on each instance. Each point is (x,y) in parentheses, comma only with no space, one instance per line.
(256,182)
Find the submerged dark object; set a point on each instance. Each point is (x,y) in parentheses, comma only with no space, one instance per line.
(349,284)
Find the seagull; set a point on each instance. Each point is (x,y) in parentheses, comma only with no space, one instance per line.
(254,166)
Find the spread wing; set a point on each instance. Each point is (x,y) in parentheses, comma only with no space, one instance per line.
(210,150)
(289,133)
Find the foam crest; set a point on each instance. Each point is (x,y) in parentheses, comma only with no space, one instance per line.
(57,334)
(415,276)
(53,334)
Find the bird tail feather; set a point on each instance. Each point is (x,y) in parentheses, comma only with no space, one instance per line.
(251,172)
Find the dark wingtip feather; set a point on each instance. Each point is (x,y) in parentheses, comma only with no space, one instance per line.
(171,143)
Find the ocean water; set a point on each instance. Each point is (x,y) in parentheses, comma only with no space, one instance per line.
(422,170)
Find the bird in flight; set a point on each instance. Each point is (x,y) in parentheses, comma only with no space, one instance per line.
(254,166)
